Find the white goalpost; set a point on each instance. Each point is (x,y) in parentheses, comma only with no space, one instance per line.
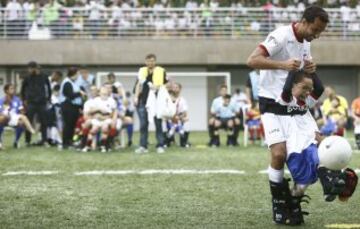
(195,90)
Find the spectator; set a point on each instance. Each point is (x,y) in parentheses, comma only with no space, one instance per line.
(355,113)
(180,122)
(11,109)
(13,11)
(252,86)
(36,94)
(226,113)
(150,77)
(330,94)
(71,102)
(335,119)
(55,78)
(85,80)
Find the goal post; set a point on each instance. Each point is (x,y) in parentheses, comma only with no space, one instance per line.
(195,90)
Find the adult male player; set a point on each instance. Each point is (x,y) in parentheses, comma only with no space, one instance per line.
(286,48)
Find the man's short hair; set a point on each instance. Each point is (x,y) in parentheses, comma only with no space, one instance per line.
(111,75)
(227,96)
(33,64)
(223,86)
(313,12)
(72,71)
(150,56)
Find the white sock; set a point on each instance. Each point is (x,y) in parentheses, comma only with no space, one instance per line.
(275,175)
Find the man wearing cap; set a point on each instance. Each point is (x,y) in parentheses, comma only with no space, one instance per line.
(36,93)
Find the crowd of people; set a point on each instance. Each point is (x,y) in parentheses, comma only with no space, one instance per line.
(96,18)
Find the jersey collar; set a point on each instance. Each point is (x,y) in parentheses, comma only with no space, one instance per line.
(295,33)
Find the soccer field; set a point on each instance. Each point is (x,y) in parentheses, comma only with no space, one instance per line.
(183,188)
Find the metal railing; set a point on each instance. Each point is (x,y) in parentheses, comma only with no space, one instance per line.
(145,23)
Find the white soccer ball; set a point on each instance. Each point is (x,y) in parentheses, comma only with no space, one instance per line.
(334,152)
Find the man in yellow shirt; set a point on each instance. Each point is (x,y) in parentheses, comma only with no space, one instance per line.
(330,94)
(150,77)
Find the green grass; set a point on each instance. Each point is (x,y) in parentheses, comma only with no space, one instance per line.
(150,201)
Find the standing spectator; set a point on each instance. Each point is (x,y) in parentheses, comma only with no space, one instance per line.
(36,94)
(85,80)
(252,87)
(355,112)
(71,101)
(150,77)
(55,79)
(330,94)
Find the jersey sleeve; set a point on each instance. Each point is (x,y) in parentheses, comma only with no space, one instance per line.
(213,106)
(274,43)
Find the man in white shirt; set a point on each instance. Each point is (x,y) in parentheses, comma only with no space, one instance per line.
(285,49)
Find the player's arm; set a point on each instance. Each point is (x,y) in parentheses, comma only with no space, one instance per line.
(258,59)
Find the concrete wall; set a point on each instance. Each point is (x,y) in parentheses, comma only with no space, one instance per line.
(179,52)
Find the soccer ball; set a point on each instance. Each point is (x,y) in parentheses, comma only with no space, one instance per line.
(334,152)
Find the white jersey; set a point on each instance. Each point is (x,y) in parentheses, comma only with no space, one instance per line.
(217,102)
(89,105)
(181,105)
(107,106)
(281,44)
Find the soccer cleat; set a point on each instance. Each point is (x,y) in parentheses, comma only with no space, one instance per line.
(85,149)
(286,208)
(333,182)
(15,145)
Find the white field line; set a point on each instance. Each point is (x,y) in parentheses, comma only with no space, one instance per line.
(30,173)
(142,172)
(158,171)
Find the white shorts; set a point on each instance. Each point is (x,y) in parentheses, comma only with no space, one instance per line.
(100,123)
(278,128)
(14,120)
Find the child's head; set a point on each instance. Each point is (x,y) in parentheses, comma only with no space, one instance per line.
(227,99)
(9,89)
(335,102)
(303,85)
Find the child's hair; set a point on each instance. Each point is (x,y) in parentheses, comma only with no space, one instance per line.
(7,86)
(300,75)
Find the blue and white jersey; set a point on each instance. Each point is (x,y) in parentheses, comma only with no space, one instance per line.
(14,107)
(85,84)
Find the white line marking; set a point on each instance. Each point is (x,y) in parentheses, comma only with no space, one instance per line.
(265,171)
(30,173)
(158,171)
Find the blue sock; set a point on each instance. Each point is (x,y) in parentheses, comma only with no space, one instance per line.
(130,130)
(18,132)
(1,132)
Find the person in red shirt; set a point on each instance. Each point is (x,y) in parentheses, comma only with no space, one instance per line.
(355,113)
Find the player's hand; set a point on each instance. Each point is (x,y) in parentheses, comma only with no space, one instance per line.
(82,93)
(291,64)
(309,66)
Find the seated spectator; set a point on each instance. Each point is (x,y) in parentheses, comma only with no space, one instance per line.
(104,118)
(335,119)
(253,122)
(180,122)
(226,113)
(11,114)
(218,101)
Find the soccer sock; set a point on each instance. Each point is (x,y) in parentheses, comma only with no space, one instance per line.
(18,132)
(211,131)
(130,131)
(276,175)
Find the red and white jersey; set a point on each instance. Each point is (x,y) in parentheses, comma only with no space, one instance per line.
(107,106)
(181,105)
(281,44)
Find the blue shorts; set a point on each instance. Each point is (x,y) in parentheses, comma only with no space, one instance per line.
(303,166)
